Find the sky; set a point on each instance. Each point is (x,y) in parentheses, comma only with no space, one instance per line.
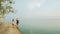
(36,9)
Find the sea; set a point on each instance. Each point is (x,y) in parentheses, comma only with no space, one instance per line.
(40,26)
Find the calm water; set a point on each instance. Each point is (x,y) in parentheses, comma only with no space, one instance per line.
(40,31)
(40,26)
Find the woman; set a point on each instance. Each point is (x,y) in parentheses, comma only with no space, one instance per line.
(13,23)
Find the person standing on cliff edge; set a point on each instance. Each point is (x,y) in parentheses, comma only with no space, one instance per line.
(13,23)
(17,22)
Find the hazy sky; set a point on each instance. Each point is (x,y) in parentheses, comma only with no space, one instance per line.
(36,8)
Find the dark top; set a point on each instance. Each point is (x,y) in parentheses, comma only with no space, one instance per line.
(17,21)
